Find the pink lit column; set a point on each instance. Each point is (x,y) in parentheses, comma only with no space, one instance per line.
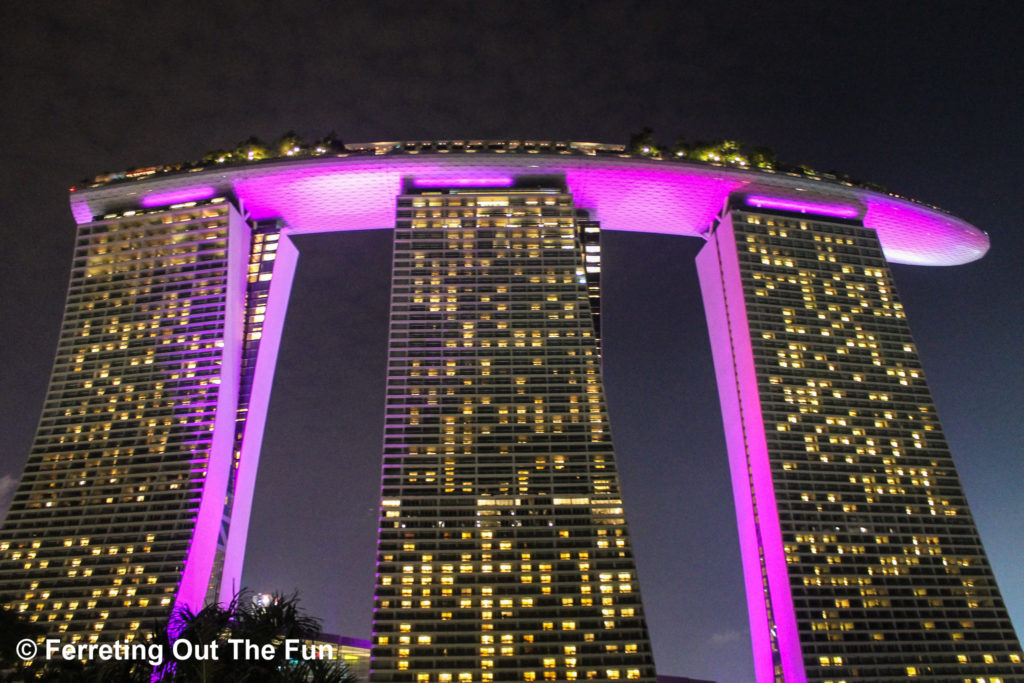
(259,399)
(195,578)
(773,627)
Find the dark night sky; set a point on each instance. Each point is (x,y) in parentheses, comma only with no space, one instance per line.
(925,98)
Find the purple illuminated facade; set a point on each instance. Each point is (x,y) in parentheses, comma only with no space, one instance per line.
(121,514)
(861,559)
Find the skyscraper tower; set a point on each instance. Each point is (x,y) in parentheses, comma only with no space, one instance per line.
(861,558)
(503,552)
(125,507)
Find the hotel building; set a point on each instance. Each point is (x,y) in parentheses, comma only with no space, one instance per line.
(121,514)
(853,523)
(503,552)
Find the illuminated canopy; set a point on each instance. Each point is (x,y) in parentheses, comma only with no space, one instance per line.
(357,192)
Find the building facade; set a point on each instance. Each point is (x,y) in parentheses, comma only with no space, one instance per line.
(354,653)
(503,551)
(853,523)
(124,510)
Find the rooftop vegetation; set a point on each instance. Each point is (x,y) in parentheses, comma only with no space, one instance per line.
(721,152)
(731,153)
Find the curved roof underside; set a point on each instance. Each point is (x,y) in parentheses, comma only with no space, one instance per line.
(358,192)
